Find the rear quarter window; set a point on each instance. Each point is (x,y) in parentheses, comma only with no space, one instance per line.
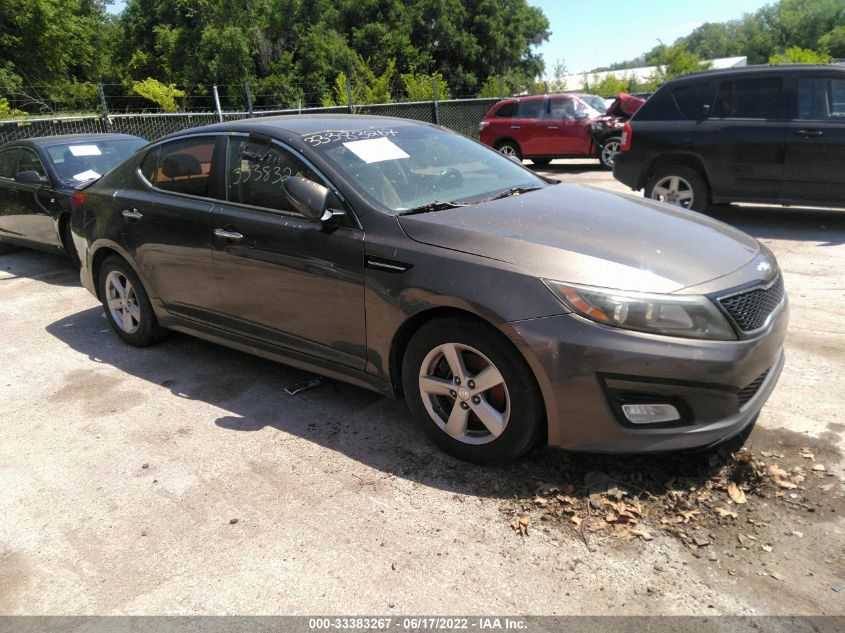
(692,98)
(660,107)
(506,111)
(531,109)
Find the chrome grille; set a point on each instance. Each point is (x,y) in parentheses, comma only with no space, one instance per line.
(751,309)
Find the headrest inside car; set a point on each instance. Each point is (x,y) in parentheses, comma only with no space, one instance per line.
(181,165)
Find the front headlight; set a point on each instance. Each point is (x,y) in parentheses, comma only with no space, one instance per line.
(690,316)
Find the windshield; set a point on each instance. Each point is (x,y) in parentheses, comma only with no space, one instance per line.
(595,102)
(86,160)
(407,167)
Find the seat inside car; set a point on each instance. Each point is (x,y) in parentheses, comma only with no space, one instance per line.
(187,171)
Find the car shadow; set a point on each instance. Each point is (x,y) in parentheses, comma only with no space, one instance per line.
(826,226)
(371,429)
(50,268)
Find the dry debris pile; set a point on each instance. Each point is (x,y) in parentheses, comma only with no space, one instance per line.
(687,498)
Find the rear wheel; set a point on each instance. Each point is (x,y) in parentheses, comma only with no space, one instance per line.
(509,149)
(67,243)
(471,391)
(127,305)
(609,150)
(5,247)
(678,185)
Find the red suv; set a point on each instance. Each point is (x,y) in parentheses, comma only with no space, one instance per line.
(545,127)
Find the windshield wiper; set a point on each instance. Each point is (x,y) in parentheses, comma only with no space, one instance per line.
(513,191)
(436,205)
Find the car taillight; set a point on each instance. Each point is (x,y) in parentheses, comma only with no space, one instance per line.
(627,137)
(78,199)
(483,125)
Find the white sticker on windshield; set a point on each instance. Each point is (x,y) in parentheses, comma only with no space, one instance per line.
(84,150)
(375,150)
(88,174)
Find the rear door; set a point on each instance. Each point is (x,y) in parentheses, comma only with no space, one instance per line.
(528,127)
(35,203)
(282,278)
(166,225)
(815,154)
(8,192)
(743,141)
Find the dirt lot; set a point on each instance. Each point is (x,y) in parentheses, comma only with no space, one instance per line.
(181,479)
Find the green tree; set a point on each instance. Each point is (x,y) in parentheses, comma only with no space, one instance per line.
(833,42)
(420,87)
(163,95)
(796,55)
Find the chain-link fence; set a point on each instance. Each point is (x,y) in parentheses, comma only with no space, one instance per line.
(461,115)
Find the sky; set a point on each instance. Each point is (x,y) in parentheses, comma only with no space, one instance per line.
(587,34)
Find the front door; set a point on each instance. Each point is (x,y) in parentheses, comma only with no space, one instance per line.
(743,142)
(167,225)
(282,278)
(35,203)
(564,129)
(815,146)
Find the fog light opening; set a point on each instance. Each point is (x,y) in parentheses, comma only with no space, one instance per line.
(650,413)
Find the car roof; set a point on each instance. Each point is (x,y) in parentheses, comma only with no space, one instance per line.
(761,69)
(47,141)
(301,124)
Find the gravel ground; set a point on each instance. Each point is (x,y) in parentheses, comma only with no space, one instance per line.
(180,479)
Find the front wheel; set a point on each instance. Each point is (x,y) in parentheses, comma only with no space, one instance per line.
(509,149)
(678,185)
(472,392)
(5,247)
(609,150)
(127,305)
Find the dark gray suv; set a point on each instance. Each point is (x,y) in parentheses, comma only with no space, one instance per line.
(773,134)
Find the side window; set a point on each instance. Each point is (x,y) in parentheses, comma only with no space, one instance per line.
(506,111)
(532,109)
(256,169)
(148,165)
(821,98)
(183,166)
(749,99)
(660,107)
(692,98)
(562,108)
(29,161)
(8,162)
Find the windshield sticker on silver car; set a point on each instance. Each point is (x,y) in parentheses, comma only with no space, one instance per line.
(375,150)
(334,136)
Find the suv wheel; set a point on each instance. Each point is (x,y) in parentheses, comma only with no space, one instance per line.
(678,185)
(509,149)
(609,150)
(471,391)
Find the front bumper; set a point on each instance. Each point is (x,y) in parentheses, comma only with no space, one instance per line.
(586,371)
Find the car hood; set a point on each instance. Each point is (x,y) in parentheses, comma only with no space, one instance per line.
(586,236)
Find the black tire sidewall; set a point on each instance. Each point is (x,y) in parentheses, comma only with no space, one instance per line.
(67,243)
(527,416)
(700,190)
(148,329)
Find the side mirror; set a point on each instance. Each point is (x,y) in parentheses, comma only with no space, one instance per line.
(705,112)
(309,198)
(580,115)
(30,178)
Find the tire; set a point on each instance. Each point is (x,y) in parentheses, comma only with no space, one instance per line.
(67,243)
(689,191)
(541,162)
(608,151)
(512,405)
(138,326)
(509,148)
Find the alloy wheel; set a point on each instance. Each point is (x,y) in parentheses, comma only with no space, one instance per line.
(609,151)
(674,190)
(464,393)
(507,150)
(122,302)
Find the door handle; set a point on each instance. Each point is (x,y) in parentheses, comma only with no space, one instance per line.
(809,133)
(132,214)
(515,127)
(554,127)
(229,235)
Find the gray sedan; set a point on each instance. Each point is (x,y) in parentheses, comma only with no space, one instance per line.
(407,259)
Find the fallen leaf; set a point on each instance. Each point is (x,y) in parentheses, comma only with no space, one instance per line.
(766,548)
(797,533)
(541,501)
(777,576)
(643,534)
(736,493)
(806,453)
(575,519)
(781,477)
(726,513)
(520,526)
(819,468)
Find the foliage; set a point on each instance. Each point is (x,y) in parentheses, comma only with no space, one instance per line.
(674,61)
(558,80)
(833,42)
(608,85)
(164,95)
(8,112)
(796,55)
(420,87)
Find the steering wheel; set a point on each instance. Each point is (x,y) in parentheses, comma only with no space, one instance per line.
(449,176)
